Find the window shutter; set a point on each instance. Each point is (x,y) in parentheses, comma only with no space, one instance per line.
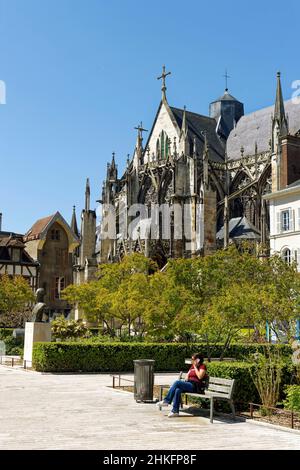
(279,222)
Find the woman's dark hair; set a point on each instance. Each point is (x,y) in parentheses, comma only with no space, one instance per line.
(198,356)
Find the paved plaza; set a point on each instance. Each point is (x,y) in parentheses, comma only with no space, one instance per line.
(68,411)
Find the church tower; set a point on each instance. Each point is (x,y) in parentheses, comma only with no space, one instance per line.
(87,264)
(279,130)
(227,111)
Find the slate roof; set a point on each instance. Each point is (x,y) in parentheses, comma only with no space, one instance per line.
(226,97)
(257,127)
(240,228)
(4,234)
(197,124)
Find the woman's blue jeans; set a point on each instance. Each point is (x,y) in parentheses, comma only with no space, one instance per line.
(175,392)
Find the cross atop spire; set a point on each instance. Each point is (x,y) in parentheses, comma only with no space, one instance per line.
(140,130)
(163,78)
(226,76)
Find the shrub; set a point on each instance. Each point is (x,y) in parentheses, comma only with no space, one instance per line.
(96,330)
(244,390)
(69,329)
(98,355)
(13,346)
(267,376)
(292,401)
(90,356)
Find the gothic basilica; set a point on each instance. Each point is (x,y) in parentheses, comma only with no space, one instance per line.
(215,168)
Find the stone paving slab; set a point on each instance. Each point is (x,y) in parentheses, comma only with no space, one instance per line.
(68,411)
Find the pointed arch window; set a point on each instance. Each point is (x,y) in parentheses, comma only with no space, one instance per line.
(167,146)
(157,149)
(162,146)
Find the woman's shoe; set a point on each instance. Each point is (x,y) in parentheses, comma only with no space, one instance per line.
(173,415)
(162,403)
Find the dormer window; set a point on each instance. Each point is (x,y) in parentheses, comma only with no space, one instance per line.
(16,255)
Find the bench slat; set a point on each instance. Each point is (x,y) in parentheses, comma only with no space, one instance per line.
(219,388)
(218,395)
(208,395)
(219,380)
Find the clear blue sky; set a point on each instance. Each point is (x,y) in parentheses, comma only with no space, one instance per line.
(81,74)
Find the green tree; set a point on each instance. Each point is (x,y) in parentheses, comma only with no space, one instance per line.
(15,298)
(119,293)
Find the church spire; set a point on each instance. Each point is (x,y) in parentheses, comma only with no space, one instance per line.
(279,112)
(113,163)
(74,225)
(163,78)
(87,195)
(279,120)
(184,140)
(184,125)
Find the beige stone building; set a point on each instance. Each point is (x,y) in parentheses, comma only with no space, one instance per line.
(52,243)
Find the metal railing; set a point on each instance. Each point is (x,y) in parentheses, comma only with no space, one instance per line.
(12,359)
(267,412)
(119,379)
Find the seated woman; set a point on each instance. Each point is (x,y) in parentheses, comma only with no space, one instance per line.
(194,383)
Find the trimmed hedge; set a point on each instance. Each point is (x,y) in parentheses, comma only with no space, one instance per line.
(106,357)
(88,356)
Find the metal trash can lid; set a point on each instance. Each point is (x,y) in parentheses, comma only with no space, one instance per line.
(144,361)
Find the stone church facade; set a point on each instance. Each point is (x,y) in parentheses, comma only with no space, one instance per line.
(210,172)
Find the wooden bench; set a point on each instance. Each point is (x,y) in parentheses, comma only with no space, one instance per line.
(218,388)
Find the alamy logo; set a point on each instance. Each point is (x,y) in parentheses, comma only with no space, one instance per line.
(2,92)
(296,93)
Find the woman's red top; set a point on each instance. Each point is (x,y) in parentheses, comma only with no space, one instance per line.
(192,373)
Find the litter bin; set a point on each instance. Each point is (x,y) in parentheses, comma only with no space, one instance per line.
(143,379)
